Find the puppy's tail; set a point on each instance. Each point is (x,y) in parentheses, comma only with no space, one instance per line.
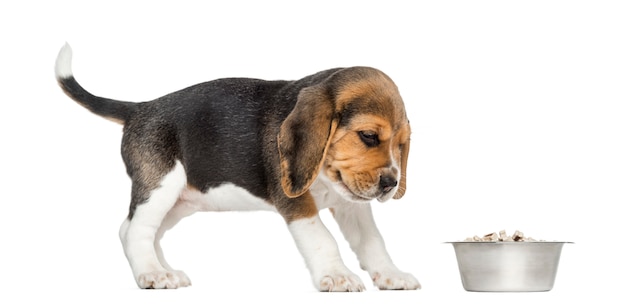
(113,110)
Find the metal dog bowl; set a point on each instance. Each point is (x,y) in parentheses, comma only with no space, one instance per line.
(508,266)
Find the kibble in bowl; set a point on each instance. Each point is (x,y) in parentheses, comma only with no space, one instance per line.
(497,262)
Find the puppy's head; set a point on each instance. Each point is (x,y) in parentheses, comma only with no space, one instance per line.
(352,128)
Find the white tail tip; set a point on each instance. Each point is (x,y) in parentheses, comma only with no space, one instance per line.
(63,67)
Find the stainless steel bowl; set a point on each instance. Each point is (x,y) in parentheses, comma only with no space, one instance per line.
(508,266)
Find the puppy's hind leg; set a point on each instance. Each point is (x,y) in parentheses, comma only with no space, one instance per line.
(178,212)
(139,233)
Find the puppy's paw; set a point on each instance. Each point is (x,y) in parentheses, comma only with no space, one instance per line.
(395,280)
(170,279)
(341,282)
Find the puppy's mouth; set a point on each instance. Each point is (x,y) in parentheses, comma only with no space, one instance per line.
(353,196)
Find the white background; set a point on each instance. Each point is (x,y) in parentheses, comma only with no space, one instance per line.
(518,115)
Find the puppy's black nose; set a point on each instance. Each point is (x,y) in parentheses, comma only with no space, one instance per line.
(387,183)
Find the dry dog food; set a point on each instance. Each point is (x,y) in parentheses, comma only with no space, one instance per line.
(501,236)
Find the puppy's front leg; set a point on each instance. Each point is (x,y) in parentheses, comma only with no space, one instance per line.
(357,225)
(320,252)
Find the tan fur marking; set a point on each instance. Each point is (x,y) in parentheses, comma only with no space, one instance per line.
(403,144)
(380,88)
(303,207)
(121,122)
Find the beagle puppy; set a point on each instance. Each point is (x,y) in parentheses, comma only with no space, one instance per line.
(336,139)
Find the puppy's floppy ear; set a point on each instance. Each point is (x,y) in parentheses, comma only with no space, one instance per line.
(304,139)
(404,157)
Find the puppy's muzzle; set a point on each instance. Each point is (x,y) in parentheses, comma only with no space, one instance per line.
(387,183)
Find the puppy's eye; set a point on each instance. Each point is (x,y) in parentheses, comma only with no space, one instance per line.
(370,138)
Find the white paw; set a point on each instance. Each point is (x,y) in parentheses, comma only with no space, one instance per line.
(341,282)
(395,280)
(163,280)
